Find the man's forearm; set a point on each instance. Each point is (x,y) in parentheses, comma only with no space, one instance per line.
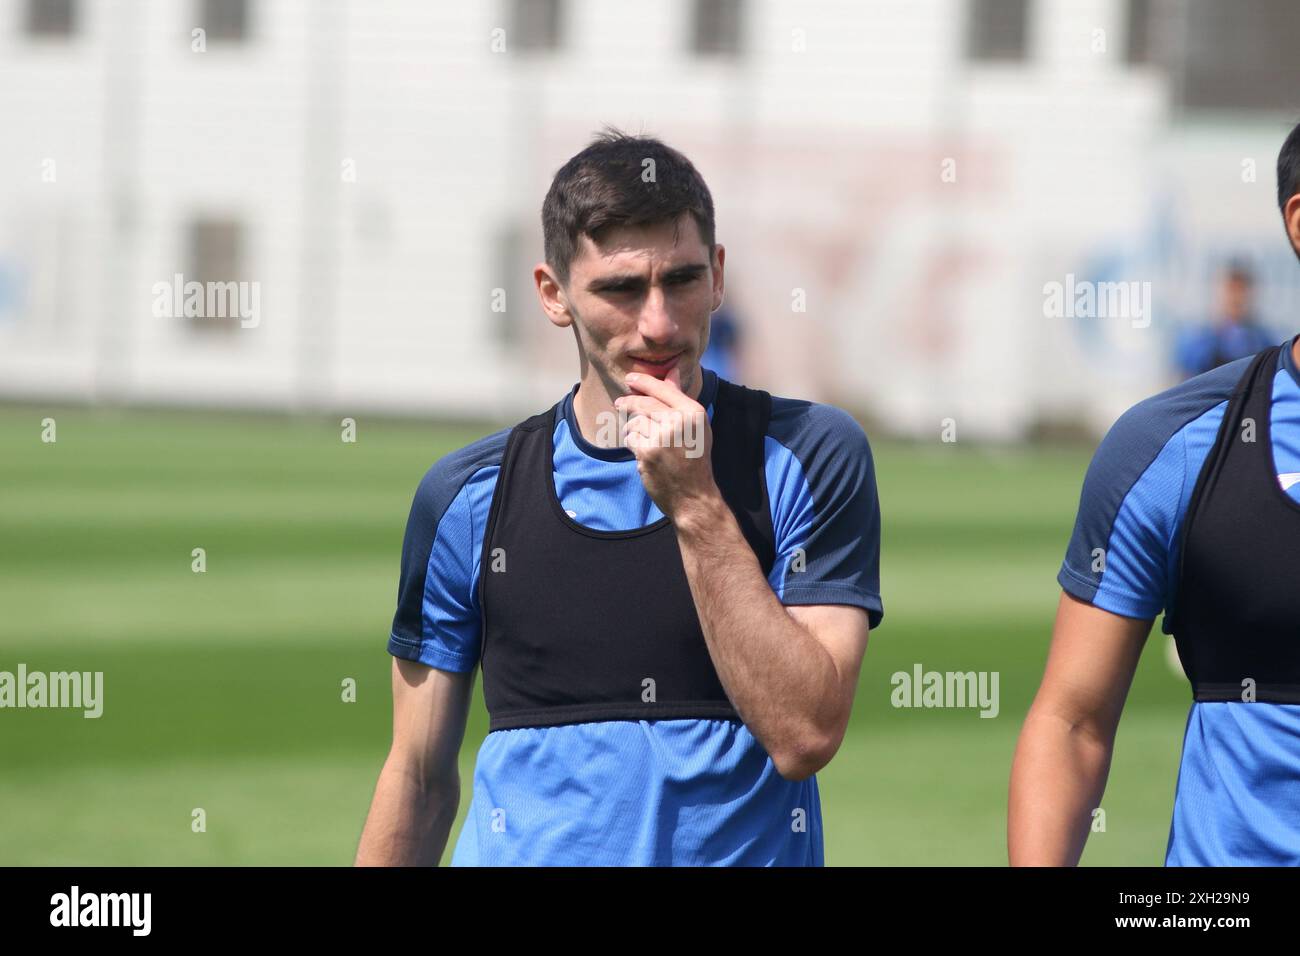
(1057,779)
(781,681)
(409,820)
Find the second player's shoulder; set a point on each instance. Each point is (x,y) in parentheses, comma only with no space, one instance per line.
(1135,490)
(444,479)
(1145,441)
(1147,425)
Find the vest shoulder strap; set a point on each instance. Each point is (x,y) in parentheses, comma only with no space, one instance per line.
(1214,464)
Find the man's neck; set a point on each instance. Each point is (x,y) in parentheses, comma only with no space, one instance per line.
(593,403)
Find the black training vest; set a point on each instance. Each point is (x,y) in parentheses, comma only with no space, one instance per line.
(578,622)
(1237,613)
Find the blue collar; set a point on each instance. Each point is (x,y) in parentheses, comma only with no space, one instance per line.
(1288,360)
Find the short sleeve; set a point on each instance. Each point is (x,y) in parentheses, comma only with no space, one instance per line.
(826,515)
(1123,552)
(438,620)
(1120,553)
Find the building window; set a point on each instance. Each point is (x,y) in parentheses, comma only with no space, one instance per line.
(535,25)
(51,18)
(1235,56)
(717,27)
(1137,44)
(998,30)
(215,259)
(224,19)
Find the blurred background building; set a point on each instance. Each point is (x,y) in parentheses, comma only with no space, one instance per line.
(899,184)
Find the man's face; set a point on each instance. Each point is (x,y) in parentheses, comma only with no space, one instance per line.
(640,301)
(1235,298)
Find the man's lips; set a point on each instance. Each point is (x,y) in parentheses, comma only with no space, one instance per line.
(658,368)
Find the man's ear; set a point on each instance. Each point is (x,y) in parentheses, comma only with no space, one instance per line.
(552,295)
(1291,215)
(719,261)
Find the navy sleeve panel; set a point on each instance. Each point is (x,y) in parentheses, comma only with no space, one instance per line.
(439,487)
(1131,447)
(825,512)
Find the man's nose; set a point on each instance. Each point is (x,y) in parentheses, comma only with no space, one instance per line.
(655,323)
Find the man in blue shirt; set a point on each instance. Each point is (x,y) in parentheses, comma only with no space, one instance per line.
(723,352)
(1191,506)
(1235,334)
(667,580)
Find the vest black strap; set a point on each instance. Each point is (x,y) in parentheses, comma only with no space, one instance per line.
(1212,469)
(740,452)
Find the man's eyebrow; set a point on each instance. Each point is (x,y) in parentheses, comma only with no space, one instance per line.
(630,281)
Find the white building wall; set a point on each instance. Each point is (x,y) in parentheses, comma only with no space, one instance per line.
(376,152)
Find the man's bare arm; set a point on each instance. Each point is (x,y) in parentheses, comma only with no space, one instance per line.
(418,791)
(791,673)
(1064,753)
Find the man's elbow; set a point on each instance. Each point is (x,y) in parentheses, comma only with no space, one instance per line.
(810,755)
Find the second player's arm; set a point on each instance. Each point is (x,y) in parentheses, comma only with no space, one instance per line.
(1064,753)
(418,792)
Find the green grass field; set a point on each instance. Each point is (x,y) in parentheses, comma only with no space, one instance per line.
(223,689)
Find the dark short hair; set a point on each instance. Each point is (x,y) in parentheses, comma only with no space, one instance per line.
(604,186)
(1239,270)
(1288,169)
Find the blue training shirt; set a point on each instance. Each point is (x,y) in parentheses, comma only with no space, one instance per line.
(645,792)
(1237,799)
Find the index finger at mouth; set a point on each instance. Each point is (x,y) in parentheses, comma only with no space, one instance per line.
(658,388)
